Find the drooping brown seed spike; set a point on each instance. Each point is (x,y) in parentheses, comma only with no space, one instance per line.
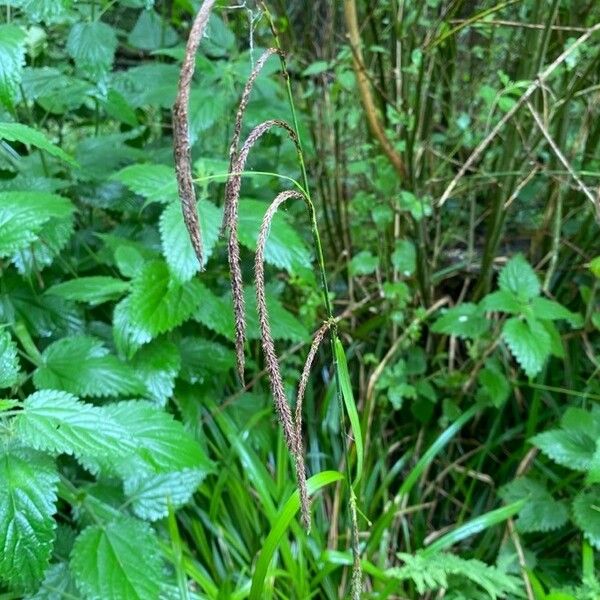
(181,139)
(237,129)
(291,433)
(235,269)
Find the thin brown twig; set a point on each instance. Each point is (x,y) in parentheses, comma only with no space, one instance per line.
(181,134)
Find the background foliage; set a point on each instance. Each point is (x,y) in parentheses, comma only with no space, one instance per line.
(132,462)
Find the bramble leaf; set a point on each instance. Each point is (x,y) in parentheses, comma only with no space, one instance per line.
(28,481)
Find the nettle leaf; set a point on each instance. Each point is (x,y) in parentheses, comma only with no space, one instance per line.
(176,245)
(200,357)
(46,11)
(150,495)
(586,514)
(568,447)
(93,290)
(161,442)
(404,257)
(28,483)
(541,512)
(495,388)
(58,584)
(82,365)
(503,301)
(108,564)
(23,215)
(465,320)
(549,309)
(92,46)
(151,32)
(529,342)
(363,263)
(12,58)
(9,361)
(285,249)
(519,278)
(157,304)
(51,239)
(157,365)
(59,423)
(156,183)
(17,132)
(127,335)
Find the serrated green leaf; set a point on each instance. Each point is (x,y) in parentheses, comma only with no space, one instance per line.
(23,214)
(9,361)
(541,511)
(46,11)
(18,132)
(549,309)
(285,249)
(28,482)
(594,266)
(529,342)
(176,245)
(151,32)
(12,58)
(586,514)
(51,239)
(363,263)
(404,257)
(58,584)
(59,423)
(157,304)
(128,335)
(108,564)
(97,372)
(519,278)
(569,448)
(200,357)
(156,183)
(494,385)
(92,46)
(162,444)
(150,495)
(157,365)
(464,320)
(94,290)
(503,301)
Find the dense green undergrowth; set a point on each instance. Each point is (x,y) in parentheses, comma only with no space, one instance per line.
(134,464)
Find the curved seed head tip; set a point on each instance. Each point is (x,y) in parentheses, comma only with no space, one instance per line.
(181,139)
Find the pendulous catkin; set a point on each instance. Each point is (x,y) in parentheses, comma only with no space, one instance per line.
(181,138)
(292,433)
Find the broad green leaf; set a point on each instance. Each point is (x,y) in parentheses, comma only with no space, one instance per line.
(92,46)
(46,11)
(150,495)
(127,335)
(529,343)
(97,373)
(150,84)
(23,215)
(157,365)
(503,301)
(348,397)
(9,361)
(151,32)
(418,207)
(52,237)
(200,357)
(465,320)
(58,584)
(594,266)
(285,248)
(176,245)
(586,514)
(28,481)
(280,526)
(12,58)
(569,448)
(495,388)
(582,421)
(59,423)
(119,560)
(519,278)
(162,444)
(156,183)
(541,511)
(93,290)
(17,132)
(157,304)
(404,257)
(549,309)
(363,263)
